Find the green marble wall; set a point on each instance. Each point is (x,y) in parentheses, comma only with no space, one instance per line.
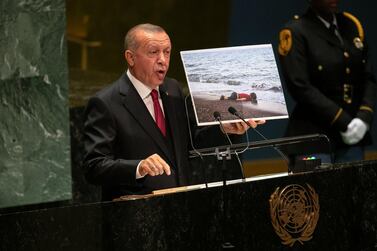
(34,124)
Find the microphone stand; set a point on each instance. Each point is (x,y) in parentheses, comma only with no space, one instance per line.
(264,143)
(201,166)
(233,111)
(224,156)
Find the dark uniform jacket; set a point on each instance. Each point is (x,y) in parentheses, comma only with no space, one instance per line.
(332,82)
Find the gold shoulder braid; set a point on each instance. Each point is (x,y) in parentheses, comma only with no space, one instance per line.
(358,41)
(357,23)
(366,108)
(285,42)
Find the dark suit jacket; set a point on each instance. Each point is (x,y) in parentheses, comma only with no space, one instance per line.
(331,82)
(119,132)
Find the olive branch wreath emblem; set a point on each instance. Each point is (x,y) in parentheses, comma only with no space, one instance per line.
(294,213)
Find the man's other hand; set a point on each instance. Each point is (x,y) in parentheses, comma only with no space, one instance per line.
(154,165)
(241,127)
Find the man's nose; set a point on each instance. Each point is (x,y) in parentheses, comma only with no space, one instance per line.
(162,58)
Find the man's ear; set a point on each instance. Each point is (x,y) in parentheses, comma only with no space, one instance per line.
(129,56)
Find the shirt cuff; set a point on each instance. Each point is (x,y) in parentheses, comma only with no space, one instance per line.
(138,176)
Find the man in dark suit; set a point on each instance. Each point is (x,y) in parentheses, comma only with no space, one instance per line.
(327,69)
(136,134)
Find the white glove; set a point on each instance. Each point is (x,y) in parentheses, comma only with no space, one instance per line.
(356,130)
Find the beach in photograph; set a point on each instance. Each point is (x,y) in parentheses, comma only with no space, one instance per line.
(264,109)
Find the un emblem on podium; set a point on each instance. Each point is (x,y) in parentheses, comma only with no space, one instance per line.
(294,213)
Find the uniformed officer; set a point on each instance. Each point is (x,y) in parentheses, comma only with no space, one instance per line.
(327,69)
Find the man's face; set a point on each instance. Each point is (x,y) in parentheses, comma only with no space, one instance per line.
(149,63)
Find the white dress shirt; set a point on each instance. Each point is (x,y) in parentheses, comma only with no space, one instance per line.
(145,94)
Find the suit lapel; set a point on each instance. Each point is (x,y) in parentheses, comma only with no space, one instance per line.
(169,108)
(134,104)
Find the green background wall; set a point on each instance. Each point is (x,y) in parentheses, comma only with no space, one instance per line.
(34,137)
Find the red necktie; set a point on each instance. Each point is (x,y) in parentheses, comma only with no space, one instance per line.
(159,116)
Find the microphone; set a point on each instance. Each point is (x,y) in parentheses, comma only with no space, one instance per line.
(233,111)
(217,116)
